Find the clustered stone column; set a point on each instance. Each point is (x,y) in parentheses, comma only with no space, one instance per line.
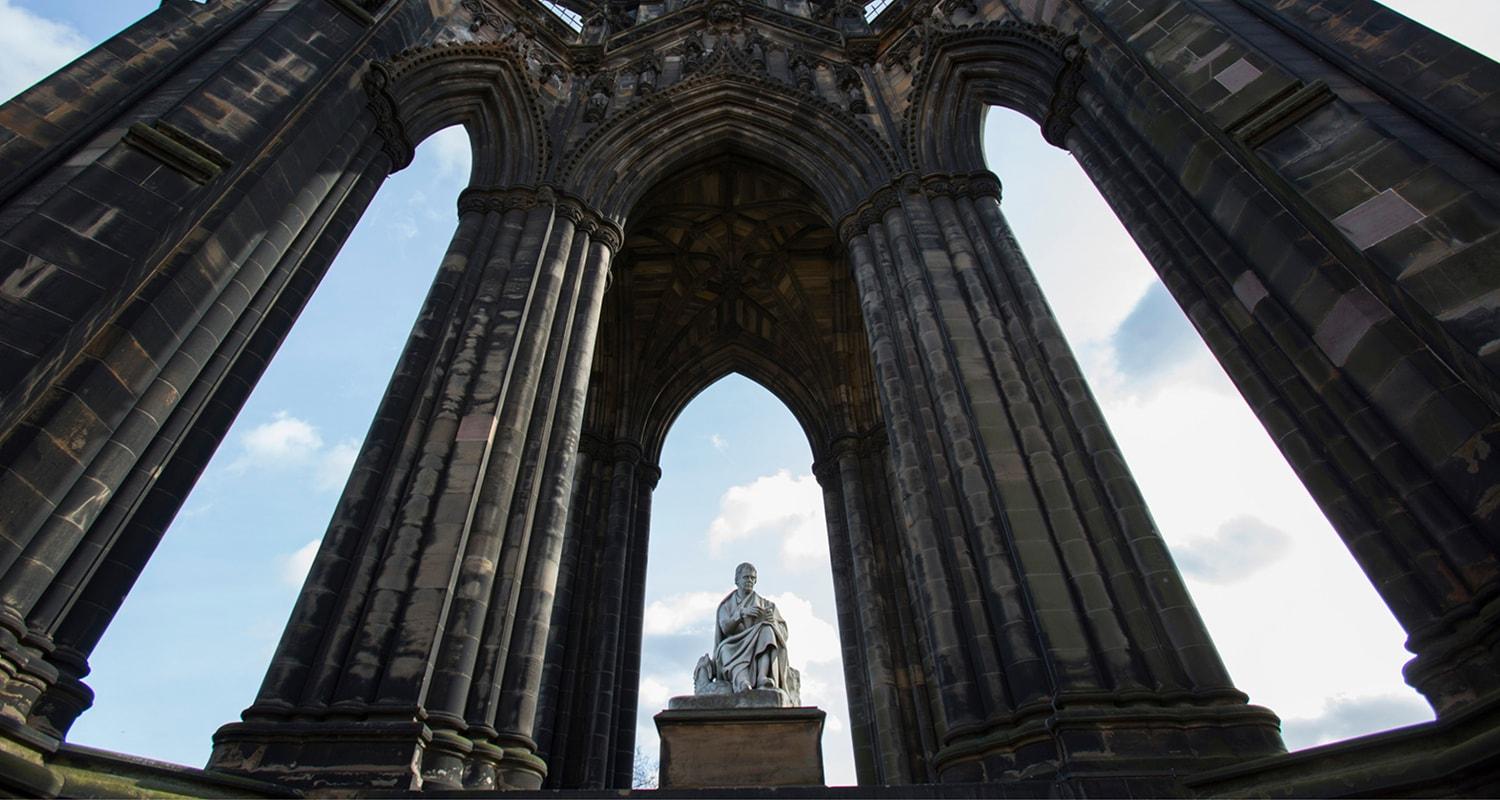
(588,699)
(410,657)
(1054,628)
(145,413)
(885,680)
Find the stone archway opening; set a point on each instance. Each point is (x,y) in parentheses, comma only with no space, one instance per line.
(729,265)
(737,485)
(1299,626)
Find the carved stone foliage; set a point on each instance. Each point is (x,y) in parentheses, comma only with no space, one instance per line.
(861,49)
(486,200)
(933,185)
(394,141)
(723,13)
(1065,95)
(480,16)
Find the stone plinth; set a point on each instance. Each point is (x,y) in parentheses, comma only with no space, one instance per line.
(741,747)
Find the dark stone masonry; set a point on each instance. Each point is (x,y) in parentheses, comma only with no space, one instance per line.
(784,189)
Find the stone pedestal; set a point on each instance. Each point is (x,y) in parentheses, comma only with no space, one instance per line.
(741,747)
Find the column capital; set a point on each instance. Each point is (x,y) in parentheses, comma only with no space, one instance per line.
(981,183)
(484,199)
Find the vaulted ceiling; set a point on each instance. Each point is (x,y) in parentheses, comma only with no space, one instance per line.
(730,266)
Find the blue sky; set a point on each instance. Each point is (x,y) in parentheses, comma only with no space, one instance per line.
(1297,623)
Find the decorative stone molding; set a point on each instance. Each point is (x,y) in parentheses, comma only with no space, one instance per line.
(1064,103)
(942,39)
(357,10)
(601,89)
(1260,124)
(395,143)
(725,63)
(386,81)
(485,200)
(932,185)
(861,50)
(852,84)
(480,16)
(723,13)
(178,150)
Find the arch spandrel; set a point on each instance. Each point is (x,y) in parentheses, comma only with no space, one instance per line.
(964,70)
(843,157)
(487,87)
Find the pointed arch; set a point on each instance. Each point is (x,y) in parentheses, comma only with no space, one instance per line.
(715,111)
(485,87)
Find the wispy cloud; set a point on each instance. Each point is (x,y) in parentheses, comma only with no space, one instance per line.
(34,48)
(1239,548)
(291,445)
(282,441)
(454,153)
(1345,717)
(1153,340)
(690,612)
(719,443)
(779,506)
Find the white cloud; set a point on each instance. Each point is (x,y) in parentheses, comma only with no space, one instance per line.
(34,48)
(718,442)
(1240,547)
(779,506)
(654,692)
(335,464)
(293,446)
(1344,717)
(294,567)
(454,153)
(810,639)
(285,439)
(691,612)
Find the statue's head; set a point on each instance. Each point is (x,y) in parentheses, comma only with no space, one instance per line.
(744,576)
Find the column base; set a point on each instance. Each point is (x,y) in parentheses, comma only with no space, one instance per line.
(1085,741)
(741,747)
(23,768)
(324,755)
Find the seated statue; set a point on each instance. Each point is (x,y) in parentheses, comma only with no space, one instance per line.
(749,646)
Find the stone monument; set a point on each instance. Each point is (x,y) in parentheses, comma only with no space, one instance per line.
(666,192)
(743,691)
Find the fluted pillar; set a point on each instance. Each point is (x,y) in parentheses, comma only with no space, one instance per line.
(391,666)
(1053,624)
(587,704)
(886,715)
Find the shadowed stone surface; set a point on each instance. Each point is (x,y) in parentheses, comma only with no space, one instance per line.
(787,190)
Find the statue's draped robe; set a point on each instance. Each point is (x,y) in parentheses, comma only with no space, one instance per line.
(734,653)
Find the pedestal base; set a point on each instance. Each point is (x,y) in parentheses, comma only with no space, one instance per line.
(741,747)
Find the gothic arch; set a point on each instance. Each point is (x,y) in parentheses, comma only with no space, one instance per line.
(804,134)
(159,235)
(486,87)
(1210,184)
(1024,67)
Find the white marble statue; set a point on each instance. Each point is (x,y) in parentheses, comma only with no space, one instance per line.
(749,654)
